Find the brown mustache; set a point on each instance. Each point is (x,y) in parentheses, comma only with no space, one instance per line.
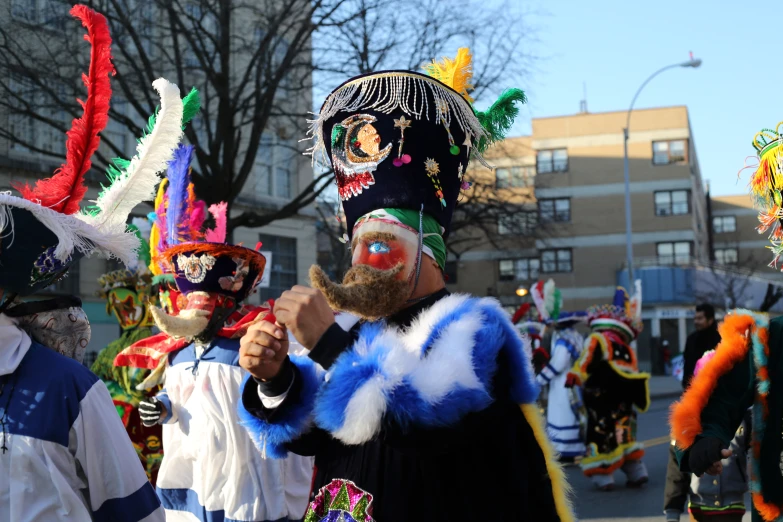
(365,291)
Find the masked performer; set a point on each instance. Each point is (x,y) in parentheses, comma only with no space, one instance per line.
(417,416)
(127,293)
(613,387)
(64,453)
(211,470)
(746,370)
(562,417)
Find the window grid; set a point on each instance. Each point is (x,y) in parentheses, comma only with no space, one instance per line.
(524,269)
(555,210)
(275,160)
(672,203)
(556,261)
(514,177)
(726,256)
(555,160)
(670,152)
(674,253)
(523,223)
(724,224)
(283,274)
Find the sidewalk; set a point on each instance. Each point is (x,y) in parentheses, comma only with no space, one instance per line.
(664,387)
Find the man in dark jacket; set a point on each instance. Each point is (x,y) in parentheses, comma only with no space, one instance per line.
(704,339)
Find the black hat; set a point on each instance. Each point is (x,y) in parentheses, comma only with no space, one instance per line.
(401,139)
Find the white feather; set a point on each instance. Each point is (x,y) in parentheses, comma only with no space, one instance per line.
(137,183)
(549,297)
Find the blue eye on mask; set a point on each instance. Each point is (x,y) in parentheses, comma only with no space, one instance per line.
(378,247)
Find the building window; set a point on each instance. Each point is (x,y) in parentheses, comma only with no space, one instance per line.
(558,260)
(669,152)
(676,253)
(275,159)
(522,223)
(555,210)
(514,177)
(723,224)
(282,268)
(552,161)
(726,256)
(673,203)
(526,269)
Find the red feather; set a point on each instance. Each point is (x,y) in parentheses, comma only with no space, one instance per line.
(520,313)
(64,191)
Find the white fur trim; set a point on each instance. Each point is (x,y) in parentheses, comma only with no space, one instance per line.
(417,333)
(447,365)
(71,231)
(449,362)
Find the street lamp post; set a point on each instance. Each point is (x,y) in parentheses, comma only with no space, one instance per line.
(693,62)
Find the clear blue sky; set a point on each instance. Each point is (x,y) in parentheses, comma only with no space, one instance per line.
(613,46)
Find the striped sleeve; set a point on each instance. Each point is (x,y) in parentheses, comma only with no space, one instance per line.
(118,487)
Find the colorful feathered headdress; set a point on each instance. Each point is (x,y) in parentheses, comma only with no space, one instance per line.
(549,304)
(43,232)
(403,139)
(623,316)
(766,185)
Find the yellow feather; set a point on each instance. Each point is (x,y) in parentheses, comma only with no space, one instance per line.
(561,490)
(155,232)
(456,73)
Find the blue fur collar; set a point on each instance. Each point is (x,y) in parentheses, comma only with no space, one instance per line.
(431,374)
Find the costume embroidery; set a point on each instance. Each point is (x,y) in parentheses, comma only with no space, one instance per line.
(233,283)
(356,154)
(195,267)
(340,501)
(402,159)
(47,267)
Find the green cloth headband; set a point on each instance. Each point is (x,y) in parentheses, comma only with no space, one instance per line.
(431,229)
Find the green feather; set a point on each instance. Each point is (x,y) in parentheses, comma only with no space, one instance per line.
(163,278)
(558,304)
(144,249)
(191,105)
(498,119)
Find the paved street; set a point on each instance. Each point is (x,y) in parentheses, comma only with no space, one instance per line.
(645,505)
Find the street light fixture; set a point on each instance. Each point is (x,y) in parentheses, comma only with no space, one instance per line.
(522,291)
(694,63)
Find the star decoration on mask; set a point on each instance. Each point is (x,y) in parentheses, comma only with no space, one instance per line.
(468,143)
(402,123)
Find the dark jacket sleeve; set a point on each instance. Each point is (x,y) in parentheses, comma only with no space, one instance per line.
(689,360)
(726,408)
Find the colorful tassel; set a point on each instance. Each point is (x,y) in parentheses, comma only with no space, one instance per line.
(64,191)
(456,73)
(218,234)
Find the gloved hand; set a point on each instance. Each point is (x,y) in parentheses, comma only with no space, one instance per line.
(705,456)
(151,411)
(571,380)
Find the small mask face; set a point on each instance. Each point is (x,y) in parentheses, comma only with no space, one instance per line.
(128,307)
(383,245)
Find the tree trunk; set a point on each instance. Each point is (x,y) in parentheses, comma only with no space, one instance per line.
(773,295)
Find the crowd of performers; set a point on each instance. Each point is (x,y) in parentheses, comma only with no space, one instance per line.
(594,386)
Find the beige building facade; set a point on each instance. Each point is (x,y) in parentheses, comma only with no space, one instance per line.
(571,169)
